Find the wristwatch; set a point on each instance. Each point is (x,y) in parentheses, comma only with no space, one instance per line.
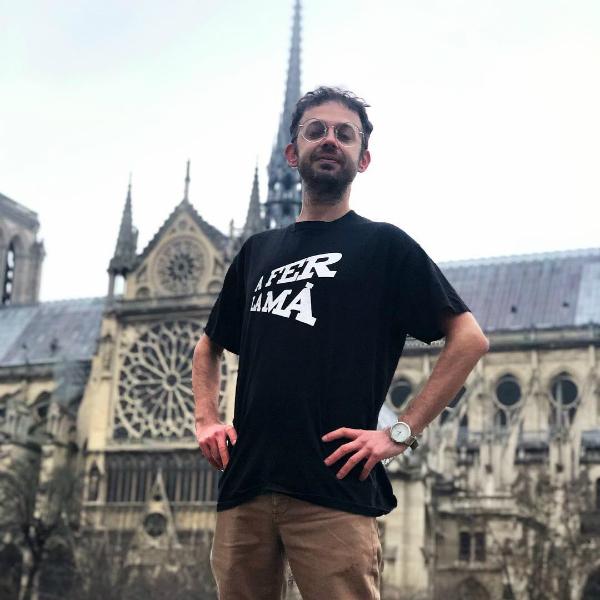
(401,433)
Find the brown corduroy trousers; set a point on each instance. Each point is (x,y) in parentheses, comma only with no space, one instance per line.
(333,555)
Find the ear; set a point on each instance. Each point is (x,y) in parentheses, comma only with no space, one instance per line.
(291,155)
(364,161)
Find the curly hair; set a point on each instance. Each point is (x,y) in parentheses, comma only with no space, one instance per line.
(325,94)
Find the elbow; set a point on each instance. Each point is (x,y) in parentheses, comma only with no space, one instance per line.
(478,341)
(484,344)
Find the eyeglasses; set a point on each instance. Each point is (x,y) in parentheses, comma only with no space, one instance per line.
(314,130)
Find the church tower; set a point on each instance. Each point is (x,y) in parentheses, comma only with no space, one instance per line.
(21,254)
(284,199)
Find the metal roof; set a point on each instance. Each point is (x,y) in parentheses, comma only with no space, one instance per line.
(547,290)
(559,289)
(50,332)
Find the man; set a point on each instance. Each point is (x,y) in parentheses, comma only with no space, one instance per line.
(318,313)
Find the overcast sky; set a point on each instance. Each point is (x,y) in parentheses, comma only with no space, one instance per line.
(486,114)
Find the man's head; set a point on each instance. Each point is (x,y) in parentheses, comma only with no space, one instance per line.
(329,141)
(325,94)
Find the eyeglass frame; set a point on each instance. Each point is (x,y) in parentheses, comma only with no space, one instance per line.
(327,128)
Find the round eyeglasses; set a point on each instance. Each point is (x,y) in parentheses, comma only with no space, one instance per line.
(315,130)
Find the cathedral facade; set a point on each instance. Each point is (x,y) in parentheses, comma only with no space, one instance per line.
(501,500)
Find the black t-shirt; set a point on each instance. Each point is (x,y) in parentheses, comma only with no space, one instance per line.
(318,313)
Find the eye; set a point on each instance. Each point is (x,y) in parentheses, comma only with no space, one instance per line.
(314,130)
(346,134)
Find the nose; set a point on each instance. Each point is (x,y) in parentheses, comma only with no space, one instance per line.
(330,136)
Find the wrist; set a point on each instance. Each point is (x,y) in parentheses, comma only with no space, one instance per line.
(205,421)
(401,433)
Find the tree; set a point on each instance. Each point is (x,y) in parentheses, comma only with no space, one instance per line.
(103,572)
(38,517)
(549,557)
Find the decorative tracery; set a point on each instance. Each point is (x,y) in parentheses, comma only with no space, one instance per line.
(155,383)
(180,265)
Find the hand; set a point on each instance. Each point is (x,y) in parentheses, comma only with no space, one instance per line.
(212,440)
(373,445)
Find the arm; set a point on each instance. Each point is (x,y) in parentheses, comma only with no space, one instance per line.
(465,345)
(211,433)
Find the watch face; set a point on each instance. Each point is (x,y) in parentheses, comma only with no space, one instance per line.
(400,432)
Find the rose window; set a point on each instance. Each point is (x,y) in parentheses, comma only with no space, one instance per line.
(180,265)
(155,383)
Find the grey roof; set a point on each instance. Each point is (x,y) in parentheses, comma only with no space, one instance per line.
(547,290)
(219,239)
(50,332)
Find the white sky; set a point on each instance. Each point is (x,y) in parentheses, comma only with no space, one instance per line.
(486,114)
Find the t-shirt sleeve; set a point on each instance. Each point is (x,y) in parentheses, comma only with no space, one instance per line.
(425,295)
(224,325)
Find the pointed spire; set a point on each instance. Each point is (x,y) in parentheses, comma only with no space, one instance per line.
(292,86)
(125,249)
(187,183)
(284,198)
(254,223)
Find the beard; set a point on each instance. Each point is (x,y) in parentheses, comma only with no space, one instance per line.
(326,183)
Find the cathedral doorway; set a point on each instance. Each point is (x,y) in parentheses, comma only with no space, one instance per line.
(471,589)
(592,587)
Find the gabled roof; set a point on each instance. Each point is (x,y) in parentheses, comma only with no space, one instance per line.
(547,290)
(219,239)
(18,212)
(50,332)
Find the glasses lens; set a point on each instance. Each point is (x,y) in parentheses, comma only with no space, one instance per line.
(346,134)
(313,131)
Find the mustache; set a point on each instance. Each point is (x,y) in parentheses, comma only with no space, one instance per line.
(337,156)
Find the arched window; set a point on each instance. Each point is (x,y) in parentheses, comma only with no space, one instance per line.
(9,274)
(401,390)
(565,398)
(500,419)
(93,483)
(41,405)
(508,398)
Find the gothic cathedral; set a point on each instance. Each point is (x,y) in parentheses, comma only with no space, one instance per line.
(503,496)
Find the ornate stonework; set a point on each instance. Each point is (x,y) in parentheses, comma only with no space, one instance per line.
(155,389)
(180,265)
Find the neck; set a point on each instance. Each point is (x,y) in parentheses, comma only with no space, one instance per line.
(315,209)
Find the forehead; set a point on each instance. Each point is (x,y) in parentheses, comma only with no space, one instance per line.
(332,112)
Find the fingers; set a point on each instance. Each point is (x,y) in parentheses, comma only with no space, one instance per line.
(222,449)
(352,462)
(213,443)
(342,451)
(366,445)
(368,468)
(211,452)
(342,432)
(231,434)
